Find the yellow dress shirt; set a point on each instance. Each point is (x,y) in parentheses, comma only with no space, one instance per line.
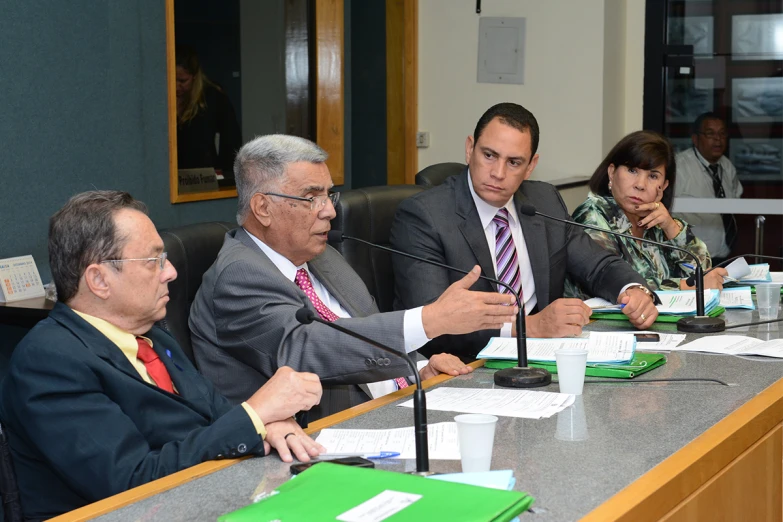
(127,343)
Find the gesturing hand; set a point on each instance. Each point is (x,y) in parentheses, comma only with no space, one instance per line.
(286,393)
(460,311)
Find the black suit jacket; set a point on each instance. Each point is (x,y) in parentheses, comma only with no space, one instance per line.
(442,224)
(83,425)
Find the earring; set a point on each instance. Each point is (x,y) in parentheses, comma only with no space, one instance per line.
(610,184)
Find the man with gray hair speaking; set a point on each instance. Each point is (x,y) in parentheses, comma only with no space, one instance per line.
(243,321)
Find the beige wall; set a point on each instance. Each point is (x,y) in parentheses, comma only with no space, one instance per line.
(583,77)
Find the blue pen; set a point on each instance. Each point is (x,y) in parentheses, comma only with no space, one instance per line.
(381,455)
(688,265)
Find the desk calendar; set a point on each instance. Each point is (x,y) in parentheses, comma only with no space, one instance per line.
(19,279)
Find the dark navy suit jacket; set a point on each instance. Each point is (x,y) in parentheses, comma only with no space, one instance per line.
(83,425)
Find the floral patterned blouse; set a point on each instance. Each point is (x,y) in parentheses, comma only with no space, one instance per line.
(662,268)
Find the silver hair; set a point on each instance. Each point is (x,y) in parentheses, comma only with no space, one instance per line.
(262,162)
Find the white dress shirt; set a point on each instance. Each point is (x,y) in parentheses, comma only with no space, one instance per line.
(694,180)
(413,327)
(486,214)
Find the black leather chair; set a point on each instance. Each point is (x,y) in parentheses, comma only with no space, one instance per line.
(9,491)
(191,249)
(434,175)
(367,213)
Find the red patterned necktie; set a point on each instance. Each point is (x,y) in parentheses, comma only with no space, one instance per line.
(155,367)
(303,281)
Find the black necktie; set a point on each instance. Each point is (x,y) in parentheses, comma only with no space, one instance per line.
(717,186)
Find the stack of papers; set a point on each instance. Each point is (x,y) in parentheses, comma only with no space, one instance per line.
(441,437)
(499,479)
(673,302)
(601,347)
(524,404)
(734,345)
(737,297)
(740,272)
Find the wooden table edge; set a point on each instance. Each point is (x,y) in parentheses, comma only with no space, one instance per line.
(168,482)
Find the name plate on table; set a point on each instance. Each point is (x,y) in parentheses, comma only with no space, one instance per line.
(192,181)
(19,279)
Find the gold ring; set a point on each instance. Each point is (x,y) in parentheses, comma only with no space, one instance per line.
(657,205)
(292,433)
(643,318)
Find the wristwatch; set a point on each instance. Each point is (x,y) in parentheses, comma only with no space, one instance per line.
(647,291)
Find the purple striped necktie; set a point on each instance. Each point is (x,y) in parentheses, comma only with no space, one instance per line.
(506,254)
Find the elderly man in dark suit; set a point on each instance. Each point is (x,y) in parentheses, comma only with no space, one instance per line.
(474,219)
(243,322)
(98,400)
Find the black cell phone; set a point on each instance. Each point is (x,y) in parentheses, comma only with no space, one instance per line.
(347,461)
(647,337)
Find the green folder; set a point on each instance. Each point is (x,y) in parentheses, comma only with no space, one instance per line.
(327,491)
(662,318)
(641,363)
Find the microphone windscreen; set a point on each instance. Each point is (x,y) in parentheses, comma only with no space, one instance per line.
(335,236)
(528,210)
(305,315)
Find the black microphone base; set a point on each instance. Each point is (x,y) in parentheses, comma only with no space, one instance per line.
(701,324)
(523,377)
(422,473)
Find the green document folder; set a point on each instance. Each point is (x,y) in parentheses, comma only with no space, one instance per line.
(641,363)
(662,318)
(327,491)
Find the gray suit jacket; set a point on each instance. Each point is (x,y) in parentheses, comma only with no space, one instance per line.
(442,224)
(243,327)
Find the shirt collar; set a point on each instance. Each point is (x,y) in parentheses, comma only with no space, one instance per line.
(701,159)
(125,341)
(486,211)
(281,262)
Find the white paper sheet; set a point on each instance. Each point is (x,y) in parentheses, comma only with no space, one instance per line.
(738,268)
(738,297)
(735,345)
(758,274)
(441,437)
(525,404)
(600,346)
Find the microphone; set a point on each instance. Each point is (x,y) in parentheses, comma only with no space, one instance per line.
(700,323)
(520,376)
(689,281)
(306,316)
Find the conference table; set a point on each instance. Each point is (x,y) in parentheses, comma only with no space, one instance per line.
(627,449)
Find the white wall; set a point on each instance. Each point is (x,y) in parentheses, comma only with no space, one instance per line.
(565,85)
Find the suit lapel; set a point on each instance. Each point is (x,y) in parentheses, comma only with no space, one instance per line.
(537,248)
(470,225)
(323,271)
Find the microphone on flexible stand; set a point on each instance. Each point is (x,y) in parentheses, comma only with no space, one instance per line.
(522,375)
(690,279)
(306,316)
(700,323)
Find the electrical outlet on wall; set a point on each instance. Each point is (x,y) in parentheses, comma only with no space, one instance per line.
(422,139)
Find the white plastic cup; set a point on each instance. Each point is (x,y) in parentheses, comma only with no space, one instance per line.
(476,433)
(571,422)
(768,300)
(571,365)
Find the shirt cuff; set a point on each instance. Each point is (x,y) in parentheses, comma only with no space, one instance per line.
(626,287)
(257,422)
(505,331)
(413,330)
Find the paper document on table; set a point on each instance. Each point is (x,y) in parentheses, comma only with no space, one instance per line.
(525,404)
(776,277)
(738,268)
(758,274)
(600,346)
(735,345)
(599,303)
(441,437)
(684,301)
(737,297)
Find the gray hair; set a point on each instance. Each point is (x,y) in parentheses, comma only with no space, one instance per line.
(261,163)
(82,233)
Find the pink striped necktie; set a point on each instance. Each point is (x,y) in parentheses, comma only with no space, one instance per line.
(304,282)
(506,254)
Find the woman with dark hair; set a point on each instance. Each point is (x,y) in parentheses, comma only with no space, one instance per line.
(631,192)
(208,134)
